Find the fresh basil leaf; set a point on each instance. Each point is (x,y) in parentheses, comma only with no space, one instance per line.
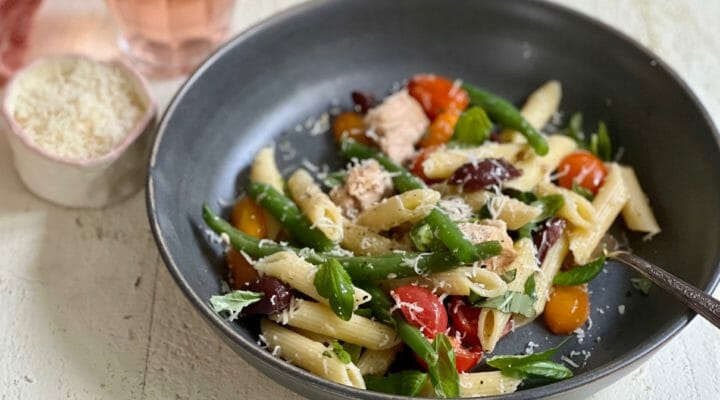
(549,206)
(235,301)
(642,285)
(473,127)
(475,298)
(603,148)
(335,179)
(509,275)
(530,286)
(526,231)
(333,283)
(510,302)
(353,350)
(574,129)
(538,369)
(424,239)
(340,352)
(525,197)
(507,361)
(582,191)
(443,374)
(403,383)
(380,304)
(581,274)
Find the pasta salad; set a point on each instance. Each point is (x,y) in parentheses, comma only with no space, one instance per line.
(455,221)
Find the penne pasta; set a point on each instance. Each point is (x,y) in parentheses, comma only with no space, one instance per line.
(310,355)
(608,202)
(377,362)
(410,206)
(514,212)
(537,110)
(456,282)
(443,163)
(492,322)
(364,242)
(299,274)
(576,209)
(536,168)
(264,170)
(316,317)
(637,213)
(316,205)
(481,384)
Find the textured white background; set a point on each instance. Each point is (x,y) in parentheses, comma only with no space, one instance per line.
(89,310)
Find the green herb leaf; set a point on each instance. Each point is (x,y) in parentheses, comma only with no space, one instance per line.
(403,383)
(335,179)
(235,301)
(353,350)
(473,127)
(642,285)
(334,283)
(581,274)
(424,239)
(574,129)
(549,206)
(538,370)
(509,275)
(530,286)
(526,231)
(525,197)
(443,374)
(502,362)
(475,298)
(511,302)
(582,191)
(600,143)
(340,352)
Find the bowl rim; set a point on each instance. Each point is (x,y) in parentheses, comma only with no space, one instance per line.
(230,333)
(141,87)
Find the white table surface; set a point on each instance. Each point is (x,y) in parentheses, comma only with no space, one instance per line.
(89,310)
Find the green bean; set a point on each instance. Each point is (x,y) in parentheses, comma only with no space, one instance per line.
(379,303)
(447,231)
(416,341)
(508,115)
(285,211)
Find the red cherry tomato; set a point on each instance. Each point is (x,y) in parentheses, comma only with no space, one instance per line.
(422,309)
(437,94)
(464,318)
(583,168)
(465,358)
(416,166)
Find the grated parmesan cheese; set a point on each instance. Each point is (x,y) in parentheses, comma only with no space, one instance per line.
(77,108)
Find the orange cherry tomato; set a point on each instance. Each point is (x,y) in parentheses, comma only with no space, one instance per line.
(567,309)
(416,166)
(249,217)
(583,168)
(352,126)
(240,269)
(441,129)
(437,94)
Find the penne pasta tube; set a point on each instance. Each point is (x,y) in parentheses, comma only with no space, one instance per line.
(443,163)
(316,317)
(264,170)
(536,168)
(377,362)
(457,282)
(481,384)
(637,213)
(514,212)
(316,205)
(608,202)
(410,206)
(299,274)
(537,110)
(310,355)
(364,242)
(576,209)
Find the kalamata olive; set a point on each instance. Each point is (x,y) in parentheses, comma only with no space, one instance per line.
(364,101)
(545,237)
(479,175)
(276,296)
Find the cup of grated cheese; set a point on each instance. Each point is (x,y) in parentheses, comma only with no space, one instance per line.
(79,129)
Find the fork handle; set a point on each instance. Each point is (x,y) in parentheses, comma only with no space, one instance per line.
(699,301)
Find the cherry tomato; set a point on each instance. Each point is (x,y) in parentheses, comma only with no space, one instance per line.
(464,318)
(466,358)
(437,94)
(249,217)
(352,126)
(567,309)
(416,166)
(422,309)
(583,168)
(441,129)
(240,269)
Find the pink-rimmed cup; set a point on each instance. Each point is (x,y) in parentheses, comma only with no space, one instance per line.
(94,182)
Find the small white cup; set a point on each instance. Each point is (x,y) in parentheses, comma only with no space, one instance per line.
(96,182)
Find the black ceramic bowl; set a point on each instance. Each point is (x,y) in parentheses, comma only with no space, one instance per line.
(271,78)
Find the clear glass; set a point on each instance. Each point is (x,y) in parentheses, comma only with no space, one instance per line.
(170,37)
